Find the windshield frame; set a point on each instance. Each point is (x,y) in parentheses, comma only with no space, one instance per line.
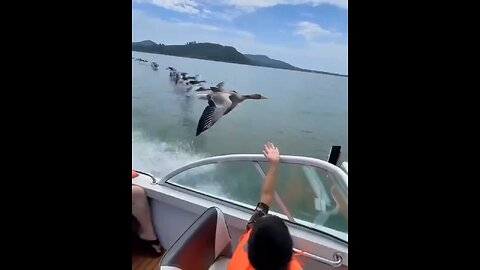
(338,173)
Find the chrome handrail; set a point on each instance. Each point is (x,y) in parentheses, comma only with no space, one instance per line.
(337,256)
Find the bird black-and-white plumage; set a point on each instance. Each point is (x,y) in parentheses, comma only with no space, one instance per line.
(173,72)
(220,104)
(218,88)
(186,78)
(194,82)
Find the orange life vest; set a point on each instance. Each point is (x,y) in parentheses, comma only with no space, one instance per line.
(240,256)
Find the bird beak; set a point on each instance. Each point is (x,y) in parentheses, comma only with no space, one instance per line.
(263,97)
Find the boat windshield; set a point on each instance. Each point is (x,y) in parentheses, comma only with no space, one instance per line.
(310,196)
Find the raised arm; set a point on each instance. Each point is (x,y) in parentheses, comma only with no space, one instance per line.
(268,190)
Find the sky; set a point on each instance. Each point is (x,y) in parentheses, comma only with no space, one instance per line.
(310,34)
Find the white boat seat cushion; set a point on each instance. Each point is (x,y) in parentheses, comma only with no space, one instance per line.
(201,244)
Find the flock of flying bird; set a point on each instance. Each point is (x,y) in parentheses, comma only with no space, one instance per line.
(221,101)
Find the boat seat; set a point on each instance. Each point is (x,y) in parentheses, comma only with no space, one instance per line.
(199,247)
(221,263)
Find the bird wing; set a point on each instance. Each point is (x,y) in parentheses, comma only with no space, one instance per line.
(218,104)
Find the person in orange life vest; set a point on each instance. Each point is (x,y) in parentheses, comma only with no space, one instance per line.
(141,219)
(267,244)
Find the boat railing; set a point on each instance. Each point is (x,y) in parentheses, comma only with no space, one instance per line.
(337,172)
(256,158)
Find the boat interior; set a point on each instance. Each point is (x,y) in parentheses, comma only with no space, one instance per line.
(200,225)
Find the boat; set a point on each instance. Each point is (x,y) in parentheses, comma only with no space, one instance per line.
(200,227)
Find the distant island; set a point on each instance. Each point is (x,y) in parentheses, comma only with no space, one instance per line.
(217,52)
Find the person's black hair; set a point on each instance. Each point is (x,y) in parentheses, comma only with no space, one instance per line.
(270,244)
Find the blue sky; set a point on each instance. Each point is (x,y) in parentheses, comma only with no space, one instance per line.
(305,33)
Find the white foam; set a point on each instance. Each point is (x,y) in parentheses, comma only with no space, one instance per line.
(159,158)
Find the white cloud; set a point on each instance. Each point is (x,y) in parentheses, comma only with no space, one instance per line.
(184,6)
(312,30)
(228,14)
(250,5)
(234,8)
(206,27)
(326,56)
(307,14)
(244,34)
(175,32)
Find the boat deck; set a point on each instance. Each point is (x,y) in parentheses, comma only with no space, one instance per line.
(143,258)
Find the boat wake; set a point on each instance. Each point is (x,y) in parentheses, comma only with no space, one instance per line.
(159,158)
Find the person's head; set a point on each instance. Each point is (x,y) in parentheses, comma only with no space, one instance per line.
(270,244)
